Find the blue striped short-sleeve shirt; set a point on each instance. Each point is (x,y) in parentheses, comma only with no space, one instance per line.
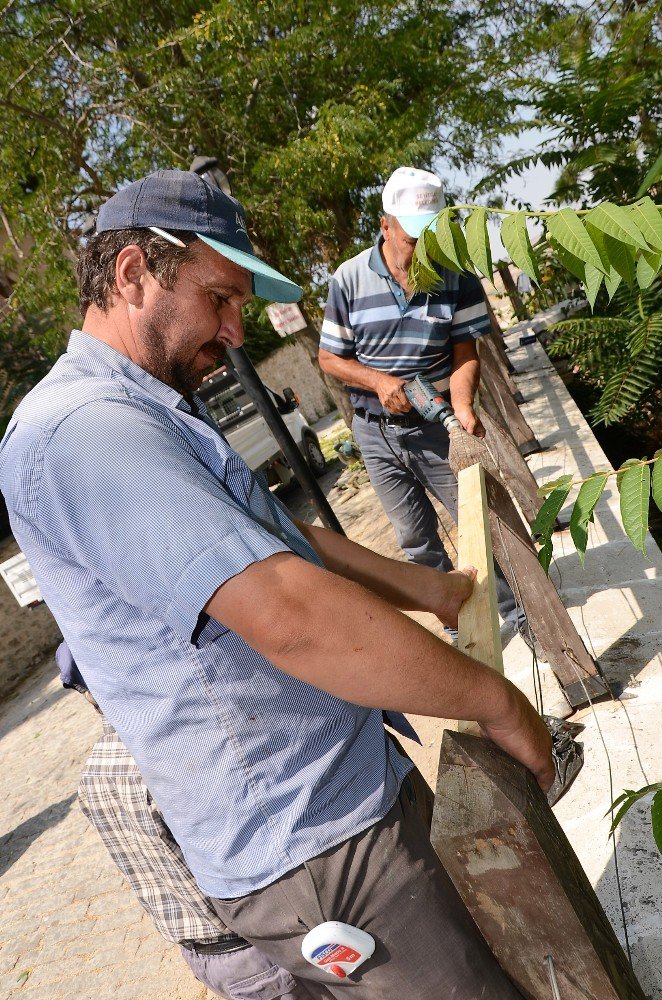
(368,318)
(132,511)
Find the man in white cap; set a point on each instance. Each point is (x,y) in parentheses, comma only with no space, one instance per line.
(198,612)
(378,333)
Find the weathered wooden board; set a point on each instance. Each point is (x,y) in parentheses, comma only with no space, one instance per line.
(550,622)
(504,404)
(520,879)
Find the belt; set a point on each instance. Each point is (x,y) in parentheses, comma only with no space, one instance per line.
(391,419)
(230,943)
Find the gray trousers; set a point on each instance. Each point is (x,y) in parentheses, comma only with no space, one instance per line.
(245,974)
(388,881)
(402,463)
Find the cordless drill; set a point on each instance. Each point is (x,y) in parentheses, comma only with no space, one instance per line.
(429,402)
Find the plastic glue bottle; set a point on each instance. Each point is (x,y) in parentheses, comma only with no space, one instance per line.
(337,948)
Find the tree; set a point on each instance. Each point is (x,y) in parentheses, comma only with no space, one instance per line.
(308,109)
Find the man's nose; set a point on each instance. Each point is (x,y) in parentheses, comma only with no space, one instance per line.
(234,329)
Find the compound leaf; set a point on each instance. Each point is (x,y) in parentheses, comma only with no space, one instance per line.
(635,494)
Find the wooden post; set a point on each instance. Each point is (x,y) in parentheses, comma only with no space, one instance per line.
(497,401)
(550,622)
(496,835)
(515,553)
(489,356)
(496,334)
(522,883)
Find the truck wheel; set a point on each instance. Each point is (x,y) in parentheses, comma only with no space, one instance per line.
(313,454)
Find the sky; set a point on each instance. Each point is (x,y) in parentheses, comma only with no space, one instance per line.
(532,186)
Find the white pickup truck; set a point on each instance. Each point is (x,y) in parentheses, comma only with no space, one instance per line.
(246,431)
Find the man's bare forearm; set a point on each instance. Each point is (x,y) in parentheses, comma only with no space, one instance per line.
(464,380)
(349,370)
(334,634)
(403,584)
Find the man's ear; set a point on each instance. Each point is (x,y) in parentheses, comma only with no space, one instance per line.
(383,225)
(130,272)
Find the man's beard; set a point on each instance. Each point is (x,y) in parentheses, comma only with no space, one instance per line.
(160,360)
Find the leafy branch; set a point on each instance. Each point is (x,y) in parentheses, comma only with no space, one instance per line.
(627,799)
(637,481)
(607,244)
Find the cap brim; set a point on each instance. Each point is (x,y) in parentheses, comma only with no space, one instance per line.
(267,282)
(414,225)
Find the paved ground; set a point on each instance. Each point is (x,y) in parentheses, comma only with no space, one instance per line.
(70,929)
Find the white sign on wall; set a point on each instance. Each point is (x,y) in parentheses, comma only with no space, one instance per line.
(286,318)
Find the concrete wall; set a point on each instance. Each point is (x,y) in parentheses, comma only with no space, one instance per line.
(291,366)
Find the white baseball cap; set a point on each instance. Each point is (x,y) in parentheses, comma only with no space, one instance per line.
(414,197)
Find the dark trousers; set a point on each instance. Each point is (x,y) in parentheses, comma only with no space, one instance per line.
(388,881)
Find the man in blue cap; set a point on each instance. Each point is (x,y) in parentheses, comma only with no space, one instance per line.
(200,615)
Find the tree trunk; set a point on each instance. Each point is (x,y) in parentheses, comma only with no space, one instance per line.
(511,290)
(309,339)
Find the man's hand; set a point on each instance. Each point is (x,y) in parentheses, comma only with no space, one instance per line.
(391,394)
(524,735)
(467,417)
(452,590)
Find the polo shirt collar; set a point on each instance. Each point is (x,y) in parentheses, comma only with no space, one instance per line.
(376,261)
(84,343)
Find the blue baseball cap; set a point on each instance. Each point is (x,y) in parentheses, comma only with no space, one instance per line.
(172,200)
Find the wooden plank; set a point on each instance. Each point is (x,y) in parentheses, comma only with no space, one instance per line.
(500,401)
(478,624)
(522,883)
(511,464)
(550,622)
(488,353)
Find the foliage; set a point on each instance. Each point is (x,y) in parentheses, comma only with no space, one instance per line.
(308,110)
(600,100)
(627,799)
(607,243)
(637,480)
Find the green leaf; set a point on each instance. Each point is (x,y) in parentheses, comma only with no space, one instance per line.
(656,819)
(515,238)
(647,218)
(545,554)
(582,512)
(656,479)
(422,273)
(546,516)
(460,244)
(435,253)
(648,266)
(621,258)
(617,222)
(478,242)
(612,281)
(553,484)
(627,464)
(569,232)
(628,798)
(446,241)
(652,177)
(569,261)
(635,495)
(592,283)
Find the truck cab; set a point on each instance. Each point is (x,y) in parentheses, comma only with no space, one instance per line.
(245,430)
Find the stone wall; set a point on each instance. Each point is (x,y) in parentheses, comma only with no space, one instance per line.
(291,366)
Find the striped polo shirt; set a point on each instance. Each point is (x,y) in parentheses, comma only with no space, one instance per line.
(369,318)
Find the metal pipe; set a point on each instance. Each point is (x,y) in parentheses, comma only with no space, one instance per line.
(253,385)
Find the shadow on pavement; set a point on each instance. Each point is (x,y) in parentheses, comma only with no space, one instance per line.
(15,843)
